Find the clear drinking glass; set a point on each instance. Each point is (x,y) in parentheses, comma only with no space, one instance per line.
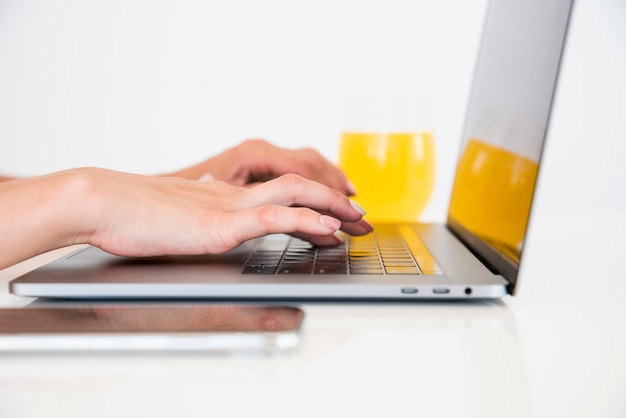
(387,151)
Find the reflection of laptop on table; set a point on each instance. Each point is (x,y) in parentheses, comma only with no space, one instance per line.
(476,254)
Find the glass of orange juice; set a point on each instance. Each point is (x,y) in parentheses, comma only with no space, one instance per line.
(388,153)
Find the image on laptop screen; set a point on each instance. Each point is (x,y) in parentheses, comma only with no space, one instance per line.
(506,126)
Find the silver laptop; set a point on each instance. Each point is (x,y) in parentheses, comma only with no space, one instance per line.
(476,254)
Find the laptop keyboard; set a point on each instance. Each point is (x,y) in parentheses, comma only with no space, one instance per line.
(390,250)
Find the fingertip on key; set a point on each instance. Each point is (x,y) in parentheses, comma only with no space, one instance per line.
(330,222)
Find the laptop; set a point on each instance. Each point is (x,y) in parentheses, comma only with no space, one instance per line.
(475,254)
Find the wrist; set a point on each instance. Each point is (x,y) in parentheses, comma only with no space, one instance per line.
(43,213)
(80,205)
(67,206)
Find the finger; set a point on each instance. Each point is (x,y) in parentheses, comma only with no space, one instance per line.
(316,167)
(361,227)
(324,241)
(309,163)
(270,161)
(294,190)
(229,229)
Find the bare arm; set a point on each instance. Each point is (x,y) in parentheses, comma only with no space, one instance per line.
(254,161)
(134,215)
(33,216)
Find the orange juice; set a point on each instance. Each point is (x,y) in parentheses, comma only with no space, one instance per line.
(493,192)
(393,173)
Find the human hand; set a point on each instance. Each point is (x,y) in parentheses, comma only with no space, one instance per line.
(135,215)
(255,161)
(146,216)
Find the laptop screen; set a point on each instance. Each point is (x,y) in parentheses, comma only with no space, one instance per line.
(506,123)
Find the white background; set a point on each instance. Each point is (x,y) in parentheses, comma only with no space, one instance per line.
(157,85)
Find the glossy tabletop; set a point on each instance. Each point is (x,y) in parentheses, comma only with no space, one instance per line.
(558,348)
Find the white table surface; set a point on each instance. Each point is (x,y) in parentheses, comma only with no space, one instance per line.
(557,349)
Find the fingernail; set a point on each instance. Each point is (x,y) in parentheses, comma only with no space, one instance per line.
(330,222)
(351,188)
(357,207)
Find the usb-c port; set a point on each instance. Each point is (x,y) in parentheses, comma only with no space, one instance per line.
(409,290)
(441,290)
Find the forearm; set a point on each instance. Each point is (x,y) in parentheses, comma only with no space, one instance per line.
(40,214)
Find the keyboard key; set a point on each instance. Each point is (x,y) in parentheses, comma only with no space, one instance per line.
(259,270)
(399,265)
(365,265)
(363,255)
(402,270)
(366,270)
(365,260)
(274,243)
(298,260)
(295,269)
(330,270)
